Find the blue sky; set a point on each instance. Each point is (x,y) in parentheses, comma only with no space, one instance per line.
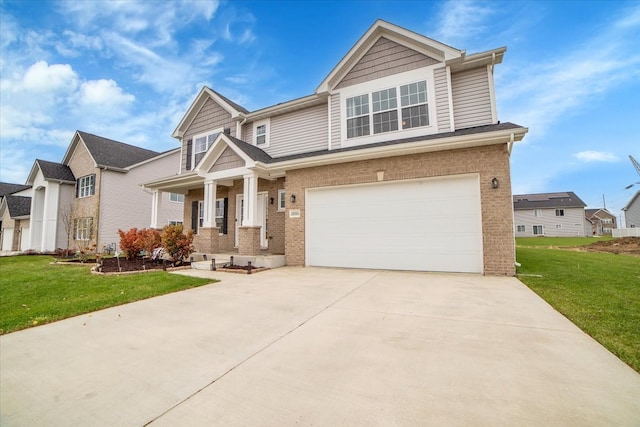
(128,70)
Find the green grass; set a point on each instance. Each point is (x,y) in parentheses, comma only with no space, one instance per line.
(599,292)
(557,241)
(33,292)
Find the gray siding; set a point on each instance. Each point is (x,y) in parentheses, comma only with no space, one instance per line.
(632,214)
(335,121)
(471,98)
(571,224)
(227,160)
(385,58)
(442,100)
(211,116)
(297,132)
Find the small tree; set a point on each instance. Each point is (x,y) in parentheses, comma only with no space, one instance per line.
(150,239)
(130,243)
(177,244)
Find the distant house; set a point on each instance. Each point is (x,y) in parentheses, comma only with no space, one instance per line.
(632,212)
(95,191)
(602,221)
(15,205)
(549,214)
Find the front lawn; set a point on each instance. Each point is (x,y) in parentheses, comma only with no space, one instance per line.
(599,292)
(558,241)
(33,292)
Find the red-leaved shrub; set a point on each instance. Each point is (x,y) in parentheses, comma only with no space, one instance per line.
(176,243)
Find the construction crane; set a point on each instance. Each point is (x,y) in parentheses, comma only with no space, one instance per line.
(637,166)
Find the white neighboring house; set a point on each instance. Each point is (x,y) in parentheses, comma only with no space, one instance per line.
(632,212)
(95,191)
(549,214)
(15,205)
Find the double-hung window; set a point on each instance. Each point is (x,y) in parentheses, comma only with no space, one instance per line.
(201,144)
(387,112)
(537,230)
(281,200)
(86,186)
(200,213)
(175,197)
(358,116)
(82,228)
(559,212)
(261,133)
(521,229)
(220,214)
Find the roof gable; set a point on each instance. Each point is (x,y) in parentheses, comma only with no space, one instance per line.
(205,94)
(567,199)
(598,213)
(240,151)
(401,36)
(632,201)
(51,171)
(109,153)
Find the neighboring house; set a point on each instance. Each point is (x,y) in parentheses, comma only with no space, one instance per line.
(15,204)
(94,191)
(603,221)
(396,161)
(632,212)
(549,214)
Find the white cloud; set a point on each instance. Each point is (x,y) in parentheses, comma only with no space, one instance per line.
(461,20)
(42,77)
(595,156)
(104,93)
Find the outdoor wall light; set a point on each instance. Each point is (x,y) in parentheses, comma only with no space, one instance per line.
(495,183)
(292,199)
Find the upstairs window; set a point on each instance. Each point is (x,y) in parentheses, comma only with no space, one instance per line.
(175,197)
(537,213)
(261,133)
(386,113)
(559,212)
(201,144)
(86,186)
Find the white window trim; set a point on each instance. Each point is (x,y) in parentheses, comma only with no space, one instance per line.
(175,222)
(82,229)
(200,214)
(537,213)
(86,190)
(559,212)
(541,230)
(193,144)
(176,201)
(524,228)
(215,214)
(281,207)
(267,140)
(396,80)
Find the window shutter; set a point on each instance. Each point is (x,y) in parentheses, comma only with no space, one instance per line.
(194,216)
(225,216)
(189,149)
(77,188)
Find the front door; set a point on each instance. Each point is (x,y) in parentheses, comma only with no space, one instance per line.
(262,217)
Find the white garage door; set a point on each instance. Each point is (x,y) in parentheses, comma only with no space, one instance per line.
(7,239)
(426,225)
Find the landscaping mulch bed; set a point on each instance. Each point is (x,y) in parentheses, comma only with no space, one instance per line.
(622,245)
(121,265)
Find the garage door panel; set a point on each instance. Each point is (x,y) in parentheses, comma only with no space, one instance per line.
(432,224)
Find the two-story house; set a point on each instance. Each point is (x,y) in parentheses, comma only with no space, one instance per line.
(94,191)
(15,205)
(602,221)
(632,212)
(549,214)
(396,161)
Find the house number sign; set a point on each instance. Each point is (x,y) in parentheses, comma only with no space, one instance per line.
(294,213)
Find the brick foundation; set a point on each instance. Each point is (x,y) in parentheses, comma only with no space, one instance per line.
(207,240)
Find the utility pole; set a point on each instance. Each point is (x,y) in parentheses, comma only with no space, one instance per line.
(604,203)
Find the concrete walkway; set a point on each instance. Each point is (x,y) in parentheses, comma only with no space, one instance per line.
(322,347)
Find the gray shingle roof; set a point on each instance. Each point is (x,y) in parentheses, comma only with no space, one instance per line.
(18,206)
(230,102)
(55,171)
(109,153)
(251,150)
(547,200)
(7,188)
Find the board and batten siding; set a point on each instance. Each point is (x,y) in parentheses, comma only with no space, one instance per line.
(471,98)
(571,224)
(442,99)
(383,59)
(210,117)
(124,205)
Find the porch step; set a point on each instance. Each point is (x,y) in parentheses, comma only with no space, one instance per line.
(203,261)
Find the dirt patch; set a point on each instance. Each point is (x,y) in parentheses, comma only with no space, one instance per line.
(622,245)
(122,265)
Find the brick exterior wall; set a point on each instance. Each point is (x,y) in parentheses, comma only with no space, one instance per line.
(488,161)
(249,241)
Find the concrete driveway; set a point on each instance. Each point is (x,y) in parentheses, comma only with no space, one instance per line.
(322,347)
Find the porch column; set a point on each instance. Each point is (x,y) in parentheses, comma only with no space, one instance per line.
(250,193)
(156,202)
(210,189)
